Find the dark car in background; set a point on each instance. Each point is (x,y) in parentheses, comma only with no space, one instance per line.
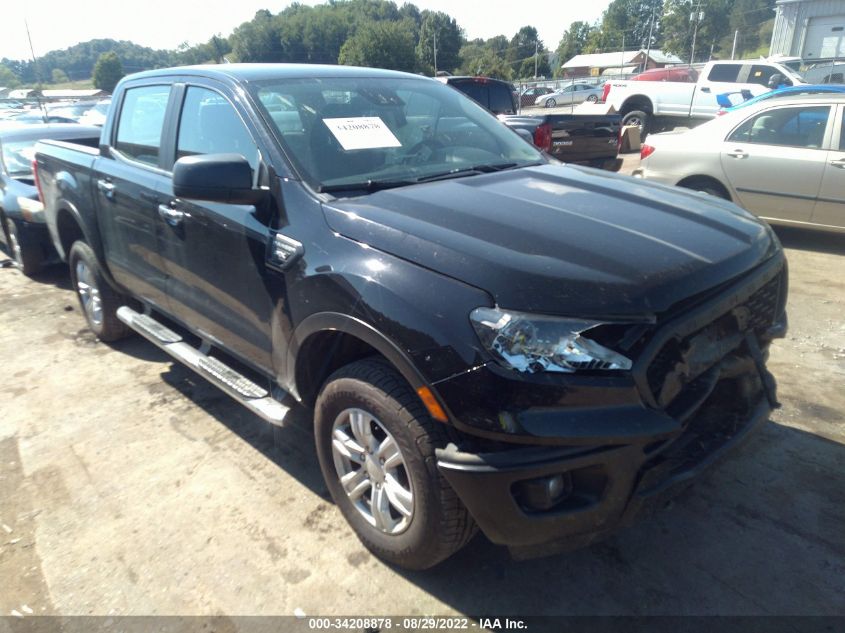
(528,96)
(21,214)
(500,97)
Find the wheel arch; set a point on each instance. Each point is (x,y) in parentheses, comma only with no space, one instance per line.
(326,341)
(689,181)
(637,102)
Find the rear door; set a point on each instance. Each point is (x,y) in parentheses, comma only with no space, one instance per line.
(830,206)
(720,78)
(125,187)
(775,160)
(215,253)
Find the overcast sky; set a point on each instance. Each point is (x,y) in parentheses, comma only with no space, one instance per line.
(57,24)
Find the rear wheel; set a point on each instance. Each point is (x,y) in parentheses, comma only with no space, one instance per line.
(29,257)
(640,119)
(98,300)
(705,185)
(551,103)
(376,442)
(592,98)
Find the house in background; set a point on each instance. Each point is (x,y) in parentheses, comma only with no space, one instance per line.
(618,63)
(813,30)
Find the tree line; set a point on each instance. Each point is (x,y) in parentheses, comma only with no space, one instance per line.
(380,33)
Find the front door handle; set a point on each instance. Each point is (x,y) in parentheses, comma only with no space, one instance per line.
(705,89)
(839,162)
(737,153)
(107,188)
(170,215)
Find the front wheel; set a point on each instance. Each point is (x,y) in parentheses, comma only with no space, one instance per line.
(28,257)
(375,443)
(98,300)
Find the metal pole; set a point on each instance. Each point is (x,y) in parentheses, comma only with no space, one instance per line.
(733,50)
(435,53)
(648,45)
(536,53)
(695,33)
(37,76)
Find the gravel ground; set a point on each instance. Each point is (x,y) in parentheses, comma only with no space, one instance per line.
(130,486)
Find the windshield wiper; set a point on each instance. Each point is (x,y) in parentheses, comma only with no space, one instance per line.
(365,185)
(474,171)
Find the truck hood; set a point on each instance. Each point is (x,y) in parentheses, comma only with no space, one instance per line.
(562,239)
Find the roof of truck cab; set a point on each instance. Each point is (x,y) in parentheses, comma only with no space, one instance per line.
(262,72)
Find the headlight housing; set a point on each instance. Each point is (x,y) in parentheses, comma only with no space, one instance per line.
(532,343)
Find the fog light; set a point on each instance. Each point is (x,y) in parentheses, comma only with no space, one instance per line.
(543,493)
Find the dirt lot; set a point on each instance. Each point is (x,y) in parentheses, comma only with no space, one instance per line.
(130,486)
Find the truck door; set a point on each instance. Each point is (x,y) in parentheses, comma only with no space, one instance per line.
(728,77)
(215,253)
(830,206)
(775,160)
(125,188)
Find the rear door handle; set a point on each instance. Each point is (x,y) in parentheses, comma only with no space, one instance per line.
(170,215)
(737,153)
(839,162)
(107,188)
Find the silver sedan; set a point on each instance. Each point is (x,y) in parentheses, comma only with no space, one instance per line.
(573,93)
(783,160)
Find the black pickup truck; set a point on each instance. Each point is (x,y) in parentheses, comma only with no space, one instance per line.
(487,339)
(582,139)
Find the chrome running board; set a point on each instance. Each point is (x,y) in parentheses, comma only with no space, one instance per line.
(252,396)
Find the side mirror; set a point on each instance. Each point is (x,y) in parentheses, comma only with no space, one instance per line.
(225,178)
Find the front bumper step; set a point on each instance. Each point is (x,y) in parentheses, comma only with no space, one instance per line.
(245,391)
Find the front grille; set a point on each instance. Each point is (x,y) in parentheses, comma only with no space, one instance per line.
(757,313)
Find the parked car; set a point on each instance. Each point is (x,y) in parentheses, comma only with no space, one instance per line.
(731,100)
(584,139)
(73,111)
(22,223)
(529,95)
(97,114)
(499,97)
(825,73)
(488,338)
(646,103)
(683,74)
(35,117)
(782,159)
(571,94)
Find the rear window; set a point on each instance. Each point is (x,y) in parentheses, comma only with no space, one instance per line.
(141,122)
(761,74)
(724,72)
(501,99)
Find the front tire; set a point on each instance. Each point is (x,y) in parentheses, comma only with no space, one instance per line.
(375,442)
(98,300)
(28,257)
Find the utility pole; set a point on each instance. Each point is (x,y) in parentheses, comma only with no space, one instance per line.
(536,53)
(733,50)
(37,74)
(697,16)
(648,45)
(435,52)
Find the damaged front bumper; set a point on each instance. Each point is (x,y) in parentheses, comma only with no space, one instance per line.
(569,468)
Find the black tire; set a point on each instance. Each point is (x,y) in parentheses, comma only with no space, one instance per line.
(593,99)
(707,186)
(440,524)
(29,257)
(639,118)
(551,103)
(108,328)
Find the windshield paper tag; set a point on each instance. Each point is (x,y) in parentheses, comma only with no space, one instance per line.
(366,132)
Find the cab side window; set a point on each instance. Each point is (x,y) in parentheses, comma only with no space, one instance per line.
(760,74)
(801,127)
(209,124)
(140,124)
(724,72)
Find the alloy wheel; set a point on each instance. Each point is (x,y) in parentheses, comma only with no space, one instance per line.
(89,293)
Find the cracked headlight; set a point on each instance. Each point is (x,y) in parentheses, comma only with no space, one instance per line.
(531,343)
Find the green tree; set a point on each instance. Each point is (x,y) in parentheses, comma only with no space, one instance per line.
(709,27)
(8,79)
(631,20)
(107,71)
(257,40)
(59,76)
(381,45)
(449,41)
(572,43)
(486,58)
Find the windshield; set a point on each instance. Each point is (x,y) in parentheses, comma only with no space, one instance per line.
(374,132)
(18,156)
